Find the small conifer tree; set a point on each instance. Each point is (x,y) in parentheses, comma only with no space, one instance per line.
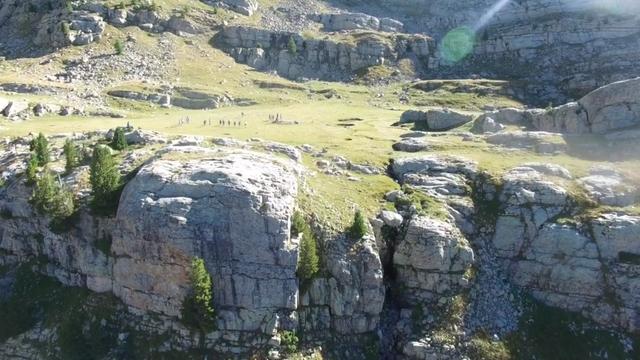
(308,261)
(119,140)
(41,148)
(292,47)
(70,155)
(359,227)
(32,170)
(118,46)
(105,180)
(44,193)
(198,309)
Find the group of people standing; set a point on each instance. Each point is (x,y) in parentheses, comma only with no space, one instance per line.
(187,120)
(275,118)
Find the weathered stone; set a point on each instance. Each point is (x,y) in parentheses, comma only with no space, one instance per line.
(245,7)
(432,258)
(610,189)
(391,218)
(490,125)
(358,21)
(16,108)
(239,206)
(411,145)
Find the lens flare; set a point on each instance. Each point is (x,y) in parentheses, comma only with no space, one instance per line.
(457,44)
(487,16)
(617,7)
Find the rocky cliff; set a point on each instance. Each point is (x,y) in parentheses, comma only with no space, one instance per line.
(315,58)
(555,49)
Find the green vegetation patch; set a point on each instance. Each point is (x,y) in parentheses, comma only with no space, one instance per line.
(550,333)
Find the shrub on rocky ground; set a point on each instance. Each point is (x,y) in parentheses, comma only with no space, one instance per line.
(359,227)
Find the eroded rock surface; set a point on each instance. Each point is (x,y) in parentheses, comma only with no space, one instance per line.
(432,259)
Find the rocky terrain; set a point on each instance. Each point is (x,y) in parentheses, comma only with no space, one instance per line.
(360,180)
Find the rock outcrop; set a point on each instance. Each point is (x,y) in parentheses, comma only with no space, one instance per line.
(575,267)
(610,108)
(435,119)
(431,260)
(357,21)
(350,300)
(209,209)
(244,7)
(324,59)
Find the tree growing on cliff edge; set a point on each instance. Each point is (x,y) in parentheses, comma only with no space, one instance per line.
(292,47)
(359,227)
(70,155)
(119,140)
(40,146)
(105,180)
(197,310)
(308,260)
(32,170)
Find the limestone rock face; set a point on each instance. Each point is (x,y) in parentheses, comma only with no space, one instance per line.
(607,109)
(233,212)
(350,300)
(588,267)
(324,59)
(613,107)
(432,258)
(358,21)
(57,29)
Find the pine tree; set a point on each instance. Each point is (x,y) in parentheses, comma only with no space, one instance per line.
(359,228)
(44,193)
(70,155)
(308,262)
(198,309)
(32,170)
(119,140)
(41,148)
(293,48)
(105,180)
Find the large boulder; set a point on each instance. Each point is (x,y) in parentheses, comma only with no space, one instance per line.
(411,145)
(436,119)
(614,106)
(358,21)
(16,108)
(3,104)
(245,7)
(234,212)
(431,259)
(606,109)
